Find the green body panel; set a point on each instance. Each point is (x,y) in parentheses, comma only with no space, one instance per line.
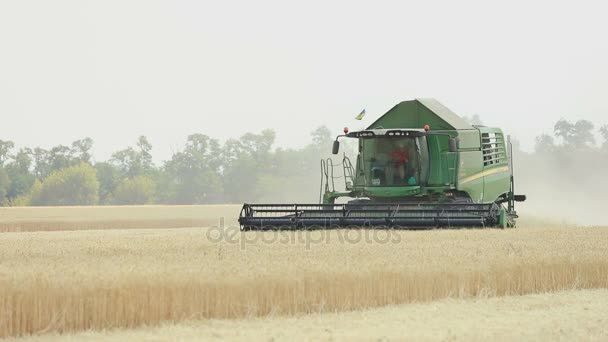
(496,185)
(470,165)
(438,160)
(479,169)
(469,139)
(390,191)
(420,112)
(497,175)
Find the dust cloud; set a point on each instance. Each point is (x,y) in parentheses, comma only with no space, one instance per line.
(564,184)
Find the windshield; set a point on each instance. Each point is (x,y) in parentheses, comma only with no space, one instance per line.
(394,161)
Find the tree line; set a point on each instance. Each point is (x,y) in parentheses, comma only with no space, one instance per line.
(565,175)
(250,168)
(203,171)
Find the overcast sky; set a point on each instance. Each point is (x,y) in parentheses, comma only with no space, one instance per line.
(113,70)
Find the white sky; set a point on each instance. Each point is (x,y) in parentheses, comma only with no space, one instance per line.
(113,70)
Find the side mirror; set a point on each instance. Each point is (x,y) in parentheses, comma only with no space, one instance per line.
(519,198)
(336,147)
(453,144)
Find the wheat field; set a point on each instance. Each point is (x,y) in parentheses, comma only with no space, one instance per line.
(575,315)
(63,281)
(29,219)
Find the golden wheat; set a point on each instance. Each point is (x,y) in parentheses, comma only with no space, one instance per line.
(30,219)
(65,281)
(577,315)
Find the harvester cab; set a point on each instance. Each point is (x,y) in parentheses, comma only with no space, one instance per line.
(417,166)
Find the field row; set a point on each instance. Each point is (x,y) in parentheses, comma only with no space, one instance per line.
(67,281)
(563,316)
(30,219)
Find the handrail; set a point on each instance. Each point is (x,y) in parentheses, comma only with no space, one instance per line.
(328,177)
(347,167)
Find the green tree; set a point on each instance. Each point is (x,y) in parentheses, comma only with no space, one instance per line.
(193,175)
(5,150)
(240,179)
(145,148)
(137,190)
(133,162)
(321,138)
(578,134)
(258,145)
(59,157)
(20,185)
(109,177)
(42,168)
(74,185)
(294,174)
(22,161)
(49,161)
(245,162)
(81,150)
(5,183)
(19,173)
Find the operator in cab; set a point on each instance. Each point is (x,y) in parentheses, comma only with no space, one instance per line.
(399,159)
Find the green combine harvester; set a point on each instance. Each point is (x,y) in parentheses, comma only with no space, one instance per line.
(418,166)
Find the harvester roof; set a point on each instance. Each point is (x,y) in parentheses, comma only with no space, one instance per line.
(419,112)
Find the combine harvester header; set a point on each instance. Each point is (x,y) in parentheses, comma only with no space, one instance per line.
(418,166)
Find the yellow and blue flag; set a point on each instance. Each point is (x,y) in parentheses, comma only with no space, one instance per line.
(361,115)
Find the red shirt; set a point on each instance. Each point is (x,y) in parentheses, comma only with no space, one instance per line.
(400,156)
